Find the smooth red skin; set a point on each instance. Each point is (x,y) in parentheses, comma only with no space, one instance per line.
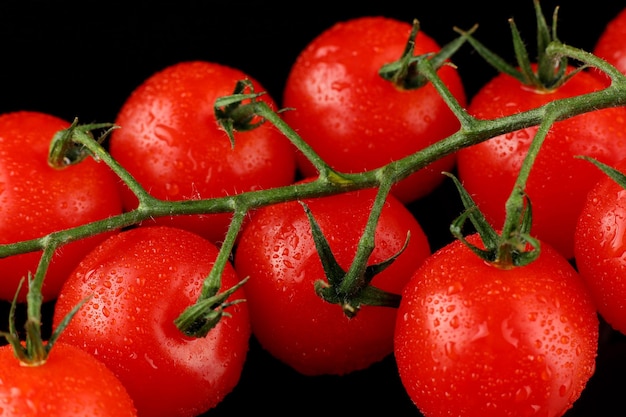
(611,45)
(355,120)
(36,199)
(475,340)
(171,143)
(600,248)
(141,280)
(289,320)
(558,182)
(71,383)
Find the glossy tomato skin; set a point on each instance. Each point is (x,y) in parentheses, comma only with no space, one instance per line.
(170,142)
(71,383)
(36,199)
(140,281)
(276,250)
(357,121)
(558,181)
(475,340)
(600,245)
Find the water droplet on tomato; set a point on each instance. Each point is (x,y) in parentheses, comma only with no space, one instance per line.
(565,388)
(450,350)
(523,393)
(172,189)
(455,288)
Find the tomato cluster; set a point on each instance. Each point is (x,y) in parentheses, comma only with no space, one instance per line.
(447,331)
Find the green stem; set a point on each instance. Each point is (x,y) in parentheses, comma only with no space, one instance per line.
(473,131)
(356,273)
(213,283)
(329,181)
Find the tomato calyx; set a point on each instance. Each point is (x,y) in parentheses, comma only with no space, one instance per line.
(514,246)
(198,319)
(238,112)
(65,147)
(34,351)
(404,73)
(551,70)
(350,289)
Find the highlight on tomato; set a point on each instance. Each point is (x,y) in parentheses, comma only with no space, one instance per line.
(170,141)
(291,321)
(355,119)
(37,199)
(137,283)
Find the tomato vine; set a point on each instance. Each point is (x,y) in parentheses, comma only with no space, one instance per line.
(81,142)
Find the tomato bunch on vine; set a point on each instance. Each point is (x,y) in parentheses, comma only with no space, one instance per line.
(379,215)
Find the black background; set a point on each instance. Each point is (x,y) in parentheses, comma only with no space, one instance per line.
(83,59)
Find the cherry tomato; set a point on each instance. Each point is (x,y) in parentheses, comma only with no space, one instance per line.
(558,182)
(600,247)
(357,121)
(475,340)
(71,382)
(36,199)
(141,280)
(170,142)
(276,250)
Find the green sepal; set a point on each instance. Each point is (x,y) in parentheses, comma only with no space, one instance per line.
(235,116)
(404,72)
(364,293)
(197,320)
(66,150)
(613,173)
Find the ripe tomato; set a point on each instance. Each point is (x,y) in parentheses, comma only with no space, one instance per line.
(276,250)
(141,280)
(357,121)
(36,199)
(600,246)
(473,339)
(171,143)
(558,183)
(610,45)
(70,383)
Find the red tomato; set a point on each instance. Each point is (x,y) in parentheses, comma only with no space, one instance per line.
(600,248)
(70,383)
(475,340)
(277,251)
(141,280)
(357,121)
(171,143)
(558,182)
(611,45)
(36,199)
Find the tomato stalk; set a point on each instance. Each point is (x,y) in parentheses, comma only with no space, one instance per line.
(198,319)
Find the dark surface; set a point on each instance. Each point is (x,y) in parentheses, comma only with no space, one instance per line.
(83,59)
